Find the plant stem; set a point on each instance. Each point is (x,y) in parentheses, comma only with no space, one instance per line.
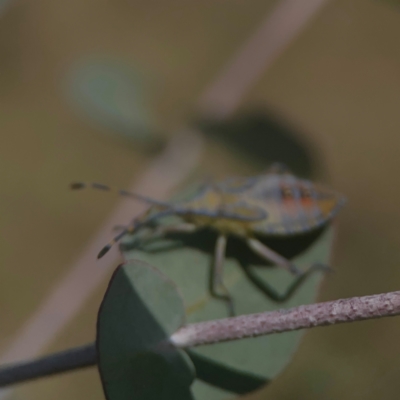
(67,360)
(309,316)
(202,333)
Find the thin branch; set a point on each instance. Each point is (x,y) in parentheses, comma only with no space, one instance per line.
(68,360)
(319,314)
(202,333)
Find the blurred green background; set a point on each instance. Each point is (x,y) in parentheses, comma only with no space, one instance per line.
(337,85)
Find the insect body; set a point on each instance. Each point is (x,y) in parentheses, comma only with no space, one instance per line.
(275,203)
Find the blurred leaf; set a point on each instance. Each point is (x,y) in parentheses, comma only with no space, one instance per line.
(264,138)
(239,366)
(140,311)
(111,93)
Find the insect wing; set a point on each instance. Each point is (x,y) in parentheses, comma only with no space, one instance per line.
(294,205)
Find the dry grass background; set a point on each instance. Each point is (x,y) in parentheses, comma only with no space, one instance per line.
(339,82)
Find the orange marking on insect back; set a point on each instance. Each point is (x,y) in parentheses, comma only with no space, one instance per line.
(306,202)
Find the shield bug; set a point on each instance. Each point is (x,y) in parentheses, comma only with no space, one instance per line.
(273,204)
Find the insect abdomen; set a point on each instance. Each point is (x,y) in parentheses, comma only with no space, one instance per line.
(294,205)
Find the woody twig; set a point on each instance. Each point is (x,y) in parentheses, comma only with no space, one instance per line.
(235,328)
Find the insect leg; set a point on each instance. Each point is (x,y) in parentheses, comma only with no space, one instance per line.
(165,229)
(268,254)
(271,292)
(217,274)
(133,227)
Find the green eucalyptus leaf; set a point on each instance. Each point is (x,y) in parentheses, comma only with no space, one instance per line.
(245,365)
(140,311)
(111,94)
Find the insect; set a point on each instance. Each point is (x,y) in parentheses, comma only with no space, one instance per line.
(272,204)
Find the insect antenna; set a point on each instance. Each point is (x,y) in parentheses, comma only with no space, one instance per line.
(116,239)
(135,225)
(121,192)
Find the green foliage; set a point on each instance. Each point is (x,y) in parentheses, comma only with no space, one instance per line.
(245,365)
(111,94)
(140,311)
